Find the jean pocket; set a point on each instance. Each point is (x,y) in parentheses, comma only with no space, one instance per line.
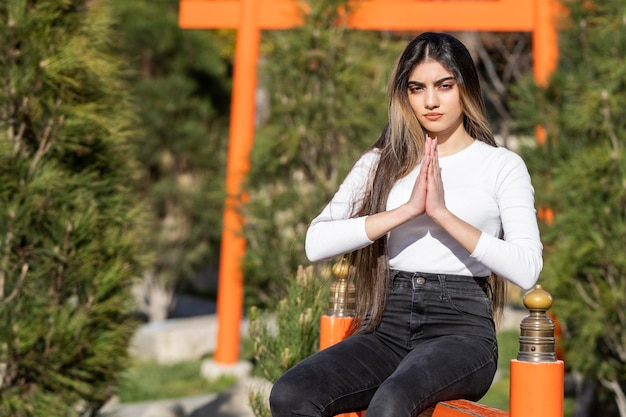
(475,303)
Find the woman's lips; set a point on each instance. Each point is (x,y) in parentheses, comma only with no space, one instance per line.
(433,116)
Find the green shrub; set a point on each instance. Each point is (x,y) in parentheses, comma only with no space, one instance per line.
(69,242)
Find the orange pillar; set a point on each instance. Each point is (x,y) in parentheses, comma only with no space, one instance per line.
(241,136)
(537,376)
(545,48)
(334,329)
(545,40)
(537,389)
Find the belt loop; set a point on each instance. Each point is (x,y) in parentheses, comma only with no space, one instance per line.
(414,276)
(444,289)
(393,273)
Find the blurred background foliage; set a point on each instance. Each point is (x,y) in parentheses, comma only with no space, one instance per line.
(181,82)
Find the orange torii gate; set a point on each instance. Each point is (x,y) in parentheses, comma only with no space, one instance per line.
(249,17)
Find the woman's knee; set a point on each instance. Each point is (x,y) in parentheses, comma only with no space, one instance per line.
(282,398)
(288,398)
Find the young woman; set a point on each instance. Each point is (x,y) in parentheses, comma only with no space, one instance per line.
(430,214)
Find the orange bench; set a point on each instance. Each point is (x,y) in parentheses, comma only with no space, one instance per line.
(461,408)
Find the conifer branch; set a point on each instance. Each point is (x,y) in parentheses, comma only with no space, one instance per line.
(585,296)
(44,146)
(18,286)
(58,279)
(13,137)
(606,112)
(48,138)
(487,61)
(614,386)
(18,138)
(8,238)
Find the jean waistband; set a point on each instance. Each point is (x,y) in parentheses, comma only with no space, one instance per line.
(433,276)
(396,275)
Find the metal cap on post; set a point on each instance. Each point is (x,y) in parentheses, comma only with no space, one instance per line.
(537,342)
(342,301)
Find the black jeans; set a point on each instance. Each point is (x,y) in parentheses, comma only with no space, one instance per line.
(436,342)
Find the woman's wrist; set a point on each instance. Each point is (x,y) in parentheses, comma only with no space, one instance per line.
(408,211)
(442,216)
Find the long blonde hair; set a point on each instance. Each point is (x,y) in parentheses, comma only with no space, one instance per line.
(401,147)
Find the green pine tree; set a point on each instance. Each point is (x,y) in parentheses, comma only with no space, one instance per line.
(580,173)
(69,222)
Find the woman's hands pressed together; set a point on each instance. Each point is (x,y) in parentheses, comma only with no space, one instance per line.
(427,197)
(417,200)
(435,202)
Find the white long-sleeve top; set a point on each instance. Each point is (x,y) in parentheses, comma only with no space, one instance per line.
(485,186)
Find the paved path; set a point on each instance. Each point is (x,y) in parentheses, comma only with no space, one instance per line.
(232,403)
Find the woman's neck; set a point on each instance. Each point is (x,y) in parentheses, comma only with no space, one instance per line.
(454,143)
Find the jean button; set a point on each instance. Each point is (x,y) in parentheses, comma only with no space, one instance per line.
(420,281)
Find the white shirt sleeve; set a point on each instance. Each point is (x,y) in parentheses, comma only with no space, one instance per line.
(519,256)
(333,232)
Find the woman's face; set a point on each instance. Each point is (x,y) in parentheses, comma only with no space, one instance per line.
(435,99)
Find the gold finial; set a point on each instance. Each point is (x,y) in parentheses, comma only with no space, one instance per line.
(341,269)
(537,343)
(342,300)
(538,299)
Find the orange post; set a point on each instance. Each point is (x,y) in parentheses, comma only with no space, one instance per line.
(546,49)
(537,389)
(334,329)
(537,376)
(230,285)
(545,40)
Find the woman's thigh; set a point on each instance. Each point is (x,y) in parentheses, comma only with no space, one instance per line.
(338,379)
(445,368)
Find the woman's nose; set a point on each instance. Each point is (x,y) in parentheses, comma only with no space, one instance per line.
(431,101)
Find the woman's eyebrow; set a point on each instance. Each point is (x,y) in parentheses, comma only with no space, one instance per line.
(445,79)
(438,82)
